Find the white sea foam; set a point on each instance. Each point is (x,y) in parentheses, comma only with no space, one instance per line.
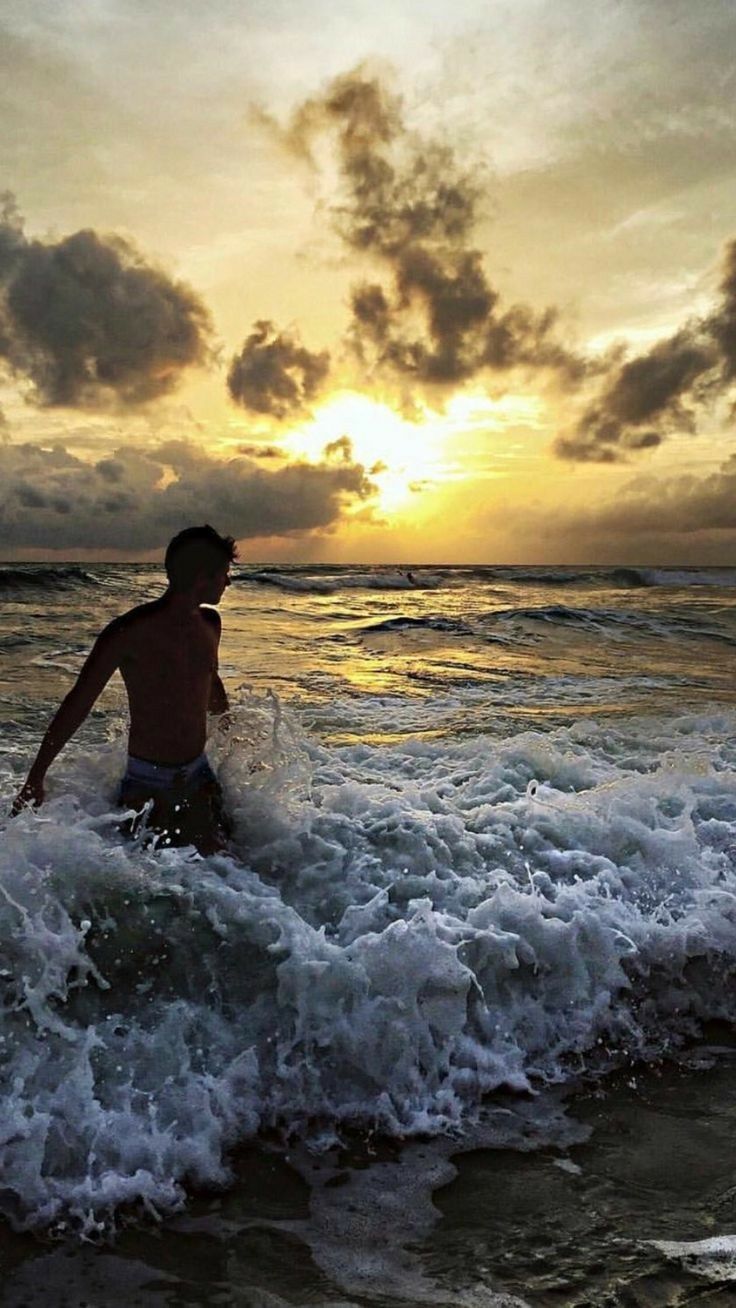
(714,1259)
(362,1220)
(409,930)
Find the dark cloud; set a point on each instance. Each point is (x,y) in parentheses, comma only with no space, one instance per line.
(409,204)
(683,506)
(371,316)
(646,398)
(436,320)
(275,374)
(261,451)
(665,389)
(111,469)
(137,500)
(88,321)
(398,189)
(722,323)
(340,450)
(11,233)
(685,519)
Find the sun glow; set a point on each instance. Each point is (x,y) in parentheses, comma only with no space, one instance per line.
(403,457)
(400,456)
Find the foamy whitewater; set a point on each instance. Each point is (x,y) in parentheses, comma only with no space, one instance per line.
(486,827)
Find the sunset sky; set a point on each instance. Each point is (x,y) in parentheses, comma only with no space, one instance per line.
(386,281)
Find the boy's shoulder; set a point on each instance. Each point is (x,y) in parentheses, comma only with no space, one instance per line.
(150,620)
(211,617)
(133,619)
(141,611)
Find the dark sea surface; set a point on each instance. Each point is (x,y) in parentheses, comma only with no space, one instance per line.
(454,1021)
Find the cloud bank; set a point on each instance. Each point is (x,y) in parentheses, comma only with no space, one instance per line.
(88,321)
(136,500)
(683,506)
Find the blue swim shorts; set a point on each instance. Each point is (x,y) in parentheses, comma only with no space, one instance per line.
(158,778)
(186,808)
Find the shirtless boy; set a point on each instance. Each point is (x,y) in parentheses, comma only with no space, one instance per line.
(166,652)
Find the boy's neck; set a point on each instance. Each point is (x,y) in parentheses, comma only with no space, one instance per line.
(183,603)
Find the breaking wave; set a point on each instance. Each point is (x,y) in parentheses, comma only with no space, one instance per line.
(37,577)
(327,583)
(400,933)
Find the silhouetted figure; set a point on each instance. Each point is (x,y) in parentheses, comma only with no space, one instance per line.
(166,652)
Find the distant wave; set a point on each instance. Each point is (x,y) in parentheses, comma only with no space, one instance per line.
(619,577)
(633,577)
(328,581)
(659,624)
(328,584)
(45,577)
(428,623)
(600,620)
(689,577)
(622,577)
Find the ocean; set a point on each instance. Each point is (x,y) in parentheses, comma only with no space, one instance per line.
(453,1021)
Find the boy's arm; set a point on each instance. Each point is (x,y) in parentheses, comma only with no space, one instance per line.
(218,701)
(100,664)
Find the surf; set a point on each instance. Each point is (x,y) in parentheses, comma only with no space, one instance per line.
(399,934)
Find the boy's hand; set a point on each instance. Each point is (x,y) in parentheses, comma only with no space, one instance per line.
(32,793)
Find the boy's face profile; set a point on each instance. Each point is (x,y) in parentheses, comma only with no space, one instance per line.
(211,586)
(197,563)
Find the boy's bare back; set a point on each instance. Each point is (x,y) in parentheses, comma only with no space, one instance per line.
(168,662)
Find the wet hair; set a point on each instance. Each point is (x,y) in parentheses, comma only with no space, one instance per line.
(195,550)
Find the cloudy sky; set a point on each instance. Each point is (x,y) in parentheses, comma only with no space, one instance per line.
(372,282)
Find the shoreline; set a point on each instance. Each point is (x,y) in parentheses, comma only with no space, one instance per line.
(550,1227)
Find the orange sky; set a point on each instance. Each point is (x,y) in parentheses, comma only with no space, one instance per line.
(378,284)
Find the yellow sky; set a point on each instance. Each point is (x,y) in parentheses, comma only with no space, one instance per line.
(592,149)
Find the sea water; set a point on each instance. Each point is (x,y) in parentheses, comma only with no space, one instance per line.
(485,829)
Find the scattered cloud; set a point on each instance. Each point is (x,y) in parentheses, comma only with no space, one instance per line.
(262,451)
(340,450)
(275,374)
(434,319)
(409,205)
(665,388)
(89,322)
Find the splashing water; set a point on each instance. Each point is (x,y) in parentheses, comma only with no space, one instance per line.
(404,932)
(481,852)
